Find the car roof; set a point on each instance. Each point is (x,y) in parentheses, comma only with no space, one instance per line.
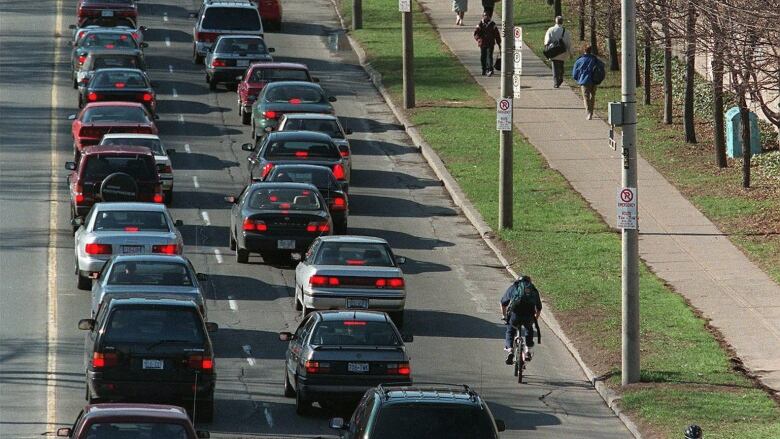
(121,51)
(120,69)
(340,315)
(279,65)
(106,29)
(151,258)
(157,411)
(431,393)
(130,205)
(282,185)
(299,135)
(130,136)
(113,104)
(229,4)
(117,149)
(277,84)
(353,239)
(310,116)
(137,301)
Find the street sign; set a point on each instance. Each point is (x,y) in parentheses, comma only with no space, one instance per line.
(516,85)
(518,56)
(504,114)
(627,217)
(405,5)
(518,37)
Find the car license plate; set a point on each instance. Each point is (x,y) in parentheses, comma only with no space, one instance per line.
(357,367)
(153,364)
(285,244)
(357,303)
(132,249)
(106,13)
(242,63)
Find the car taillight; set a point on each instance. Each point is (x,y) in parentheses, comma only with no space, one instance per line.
(82,58)
(218,63)
(254,225)
(270,114)
(79,194)
(344,151)
(165,169)
(85,80)
(338,172)
(134,34)
(90,132)
(92,96)
(100,359)
(398,369)
(81,34)
(393,282)
(95,248)
(317,367)
(322,227)
(119,84)
(321,281)
(354,323)
(167,249)
(147,97)
(158,198)
(200,362)
(266,170)
(301,153)
(207,37)
(338,203)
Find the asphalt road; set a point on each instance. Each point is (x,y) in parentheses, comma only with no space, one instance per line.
(453,279)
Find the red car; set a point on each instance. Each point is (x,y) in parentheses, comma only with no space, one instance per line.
(106,8)
(271,13)
(98,118)
(260,74)
(111,421)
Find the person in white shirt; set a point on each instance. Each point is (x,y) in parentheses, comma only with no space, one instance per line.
(555,33)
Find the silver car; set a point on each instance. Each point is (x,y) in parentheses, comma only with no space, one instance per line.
(351,272)
(161,156)
(323,123)
(122,228)
(230,56)
(158,276)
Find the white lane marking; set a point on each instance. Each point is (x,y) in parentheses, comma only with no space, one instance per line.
(195,181)
(248,352)
(232,303)
(173,92)
(181,118)
(268,417)
(167,42)
(170,68)
(218,255)
(51,251)
(165,17)
(206,219)
(187,148)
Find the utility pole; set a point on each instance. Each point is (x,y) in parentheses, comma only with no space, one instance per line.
(408,56)
(630,269)
(357,14)
(505,189)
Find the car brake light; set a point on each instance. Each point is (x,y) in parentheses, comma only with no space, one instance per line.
(356,262)
(338,203)
(131,229)
(294,101)
(166,169)
(321,281)
(134,34)
(94,248)
(266,170)
(218,63)
(109,46)
(317,367)
(92,96)
(393,282)
(270,114)
(254,225)
(119,84)
(79,198)
(146,97)
(344,151)
(205,36)
(338,172)
(158,198)
(82,58)
(167,249)
(354,323)
(85,80)
(398,369)
(100,359)
(200,362)
(301,153)
(323,227)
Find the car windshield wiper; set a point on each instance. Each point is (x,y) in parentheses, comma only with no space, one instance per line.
(168,340)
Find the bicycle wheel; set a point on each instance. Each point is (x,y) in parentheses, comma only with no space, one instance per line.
(515,352)
(520,366)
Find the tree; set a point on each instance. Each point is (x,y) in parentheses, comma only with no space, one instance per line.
(690,73)
(593,39)
(613,11)
(581,18)
(718,47)
(667,38)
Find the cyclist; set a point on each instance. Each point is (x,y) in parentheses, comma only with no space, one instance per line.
(520,306)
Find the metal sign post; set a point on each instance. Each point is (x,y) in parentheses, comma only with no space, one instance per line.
(405,7)
(505,189)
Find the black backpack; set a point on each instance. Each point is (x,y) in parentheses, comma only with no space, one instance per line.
(522,302)
(599,73)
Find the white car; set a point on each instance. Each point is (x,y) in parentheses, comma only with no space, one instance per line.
(122,228)
(323,123)
(153,142)
(351,272)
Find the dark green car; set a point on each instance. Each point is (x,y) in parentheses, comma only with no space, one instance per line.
(278,98)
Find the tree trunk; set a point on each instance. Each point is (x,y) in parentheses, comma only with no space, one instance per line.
(717,97)
(558,9)
(667,68)
(581,13)
(648,70)
(593,40)
(744,114)
(614,64)
(690,73)
(636,69)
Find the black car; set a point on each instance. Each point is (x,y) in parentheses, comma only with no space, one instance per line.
(338,355)
(276,220)
(103,59)
(298,147)
(324,180)
(150,350)
(119,84)
(420,412)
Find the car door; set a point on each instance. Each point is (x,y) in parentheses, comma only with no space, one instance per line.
(359,422)
(303,269)
(255,159)
(297,344)
(235,211)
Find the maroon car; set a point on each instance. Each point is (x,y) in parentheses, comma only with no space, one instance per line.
(260,74)
(112,421)
(86,9)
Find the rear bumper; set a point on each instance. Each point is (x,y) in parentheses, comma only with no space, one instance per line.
(167,183)
(259,243)
(320,300)
(148,391)
(226,74)
(89,265)
(202,47)
(336,391)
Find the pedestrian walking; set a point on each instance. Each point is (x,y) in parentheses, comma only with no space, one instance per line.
(588,71)
(459,7)
(487,36)
(488,6)
(557,48)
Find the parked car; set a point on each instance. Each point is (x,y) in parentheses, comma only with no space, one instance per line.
(122,228)
(418,412)
(338,355)
(104,59)
(119,85)
(321,123)
(112,421)
(99,118)
(229,57)
(151,350)
(223,17)
(161,156)
(276,220)
(278,98)
(351,272)
(260,74)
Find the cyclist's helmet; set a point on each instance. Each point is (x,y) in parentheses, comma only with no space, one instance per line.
(693,432)
(524,278)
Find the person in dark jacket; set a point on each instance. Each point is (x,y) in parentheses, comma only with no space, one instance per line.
(517,313)
(583,73)
(487,35)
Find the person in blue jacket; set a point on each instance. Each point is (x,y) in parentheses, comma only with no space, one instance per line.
(588,71)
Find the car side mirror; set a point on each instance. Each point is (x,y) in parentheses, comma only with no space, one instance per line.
(315,80)
(400,260)
(143,28)
(332,99)
(347,131)
(87,324)
(144,45)
(202,276)
(71,117)
(338,424)
(72,27)
(248,147)
(202,434)
(407,338)
(192,15)
(70,166)
(77,222)
(63,432)
(178,223)
(231,199)
(500,426)
(170,151)
(212,327)
(271,50)
(286,336)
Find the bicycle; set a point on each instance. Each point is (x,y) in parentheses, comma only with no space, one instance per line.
(520,353)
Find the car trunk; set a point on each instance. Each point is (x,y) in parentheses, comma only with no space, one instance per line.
(127,95)
(146,189)
(289,222)
(360,365)
(153,362)
(129,243)
(95,131)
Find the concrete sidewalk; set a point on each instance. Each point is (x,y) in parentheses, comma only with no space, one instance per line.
(676,240)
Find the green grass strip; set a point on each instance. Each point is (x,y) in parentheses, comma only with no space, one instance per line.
(564,245)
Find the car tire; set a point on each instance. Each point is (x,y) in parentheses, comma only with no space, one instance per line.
(302,405)
(232,243)
(254,131)
(75,84)
(246,118)
(298,304)
(242,255)
(168,197)
(212,83)
(84,283)
(398,318)
(205,410)
(289,391)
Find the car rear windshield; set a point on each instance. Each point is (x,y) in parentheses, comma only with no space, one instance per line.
(156,430)
(277,74)
(349,253)
(152,324)
(319,177)
(149,273)
(106,61)
(123,113)
(231,19)
(153,144)
(354,333)
(108,22)
(425,421)
(130,221)
(242,45)
(329,127)
(294,94)
(302,150)
(97,167)
(108,40)
(284,199)
(118,79)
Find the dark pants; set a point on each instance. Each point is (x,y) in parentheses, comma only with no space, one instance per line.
(557,72)
(511,329)
(486,57)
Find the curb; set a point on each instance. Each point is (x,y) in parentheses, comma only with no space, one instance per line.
(610,397)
